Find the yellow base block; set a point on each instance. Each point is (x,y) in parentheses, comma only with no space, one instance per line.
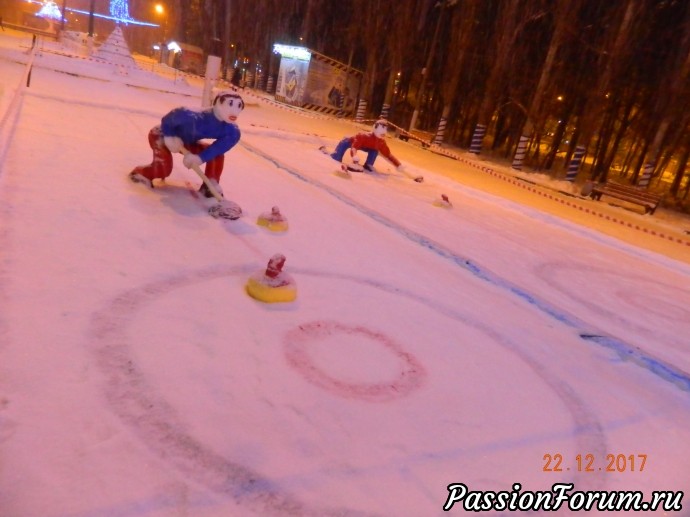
(442,204)
(267,294)
(274,226)
(343,174)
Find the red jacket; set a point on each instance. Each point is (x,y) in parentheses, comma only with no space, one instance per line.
(371,141)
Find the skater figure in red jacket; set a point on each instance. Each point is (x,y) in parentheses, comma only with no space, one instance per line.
(371,143)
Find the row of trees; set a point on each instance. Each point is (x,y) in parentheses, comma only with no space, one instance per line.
(613,77)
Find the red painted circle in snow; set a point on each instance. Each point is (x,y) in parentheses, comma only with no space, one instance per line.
(299,341)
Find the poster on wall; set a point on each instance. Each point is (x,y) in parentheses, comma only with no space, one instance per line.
(292,75)
(331,86)
(311,80)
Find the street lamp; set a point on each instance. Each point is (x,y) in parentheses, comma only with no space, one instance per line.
(160,10)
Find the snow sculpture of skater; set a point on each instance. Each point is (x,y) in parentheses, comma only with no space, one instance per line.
(184,127)
(371,143)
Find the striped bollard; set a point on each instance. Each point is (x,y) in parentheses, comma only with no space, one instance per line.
(384,111)
(477,138)
(574,165)
(520,153)
(440,131)
(647,171)
(269,84)
(361,110)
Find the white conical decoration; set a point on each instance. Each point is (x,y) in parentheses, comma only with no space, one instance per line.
(115,50)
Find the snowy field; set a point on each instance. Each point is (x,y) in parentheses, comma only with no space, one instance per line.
(489,344)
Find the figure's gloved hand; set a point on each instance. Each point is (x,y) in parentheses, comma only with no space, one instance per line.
(191,160)
(173,143)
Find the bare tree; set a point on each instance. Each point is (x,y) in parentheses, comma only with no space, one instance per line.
(608,61)
(507,23)
(622,69)
(564,14)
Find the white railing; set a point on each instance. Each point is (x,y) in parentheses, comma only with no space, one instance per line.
(8,123)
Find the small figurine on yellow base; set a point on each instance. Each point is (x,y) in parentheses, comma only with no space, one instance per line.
(444,202)
(272,285)
(273,220)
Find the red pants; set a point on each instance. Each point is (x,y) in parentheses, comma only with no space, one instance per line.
(162,163)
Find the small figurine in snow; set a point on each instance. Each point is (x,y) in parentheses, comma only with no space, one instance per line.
(371,143)
(184,127)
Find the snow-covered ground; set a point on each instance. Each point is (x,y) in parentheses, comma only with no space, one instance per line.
(492,343)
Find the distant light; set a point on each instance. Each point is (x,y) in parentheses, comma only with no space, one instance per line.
(119,12)
(300,53)
(119,9)
(50,10)
(174,47)
(104,16)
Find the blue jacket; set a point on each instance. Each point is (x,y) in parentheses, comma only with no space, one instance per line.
(192,126)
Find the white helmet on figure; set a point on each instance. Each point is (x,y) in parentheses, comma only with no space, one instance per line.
(380,127)
(227,106)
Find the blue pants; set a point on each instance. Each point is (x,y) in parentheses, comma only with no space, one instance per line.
(344,145)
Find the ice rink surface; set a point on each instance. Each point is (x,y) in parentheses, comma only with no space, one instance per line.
(492,343)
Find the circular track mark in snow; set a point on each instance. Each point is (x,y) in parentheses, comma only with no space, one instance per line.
(301,344)
(637,291)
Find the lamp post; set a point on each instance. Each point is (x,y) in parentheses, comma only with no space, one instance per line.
(92,8)
(62,18)
(161,11)
(226,40)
